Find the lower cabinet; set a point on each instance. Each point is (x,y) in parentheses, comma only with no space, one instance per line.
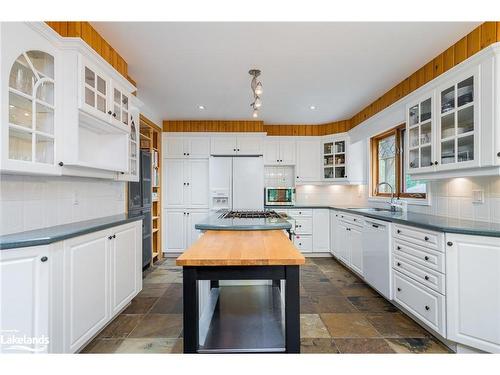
(473,291)
(24,292)
(349,243)
(333,232)
(68,291)
(321,230)
(179,228)
(356,242)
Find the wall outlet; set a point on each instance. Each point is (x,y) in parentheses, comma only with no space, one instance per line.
(478,196)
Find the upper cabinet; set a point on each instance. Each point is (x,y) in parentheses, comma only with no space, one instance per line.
(337,164)
(308,160)
(244,144)
(279,151)
(65,110)
(30,134)
(186,147)
(420,125)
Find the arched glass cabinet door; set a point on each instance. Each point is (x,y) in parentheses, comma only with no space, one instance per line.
(31,108)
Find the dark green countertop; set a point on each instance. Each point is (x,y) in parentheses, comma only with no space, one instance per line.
(432,222)
(58,233)
(214,222)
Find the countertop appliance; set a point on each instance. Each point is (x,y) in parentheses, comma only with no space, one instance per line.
(236,183)
(279,196)
(377,255)
(139,203)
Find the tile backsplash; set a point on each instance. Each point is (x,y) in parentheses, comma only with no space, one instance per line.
(275,176)
(343,195)
(28,202)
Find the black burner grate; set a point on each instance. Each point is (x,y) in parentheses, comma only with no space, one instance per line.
(250,215)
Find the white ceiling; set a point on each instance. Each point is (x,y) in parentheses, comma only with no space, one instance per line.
(337,67)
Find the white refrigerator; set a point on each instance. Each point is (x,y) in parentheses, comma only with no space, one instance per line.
(236,183)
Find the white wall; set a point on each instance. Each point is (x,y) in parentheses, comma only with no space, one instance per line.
(28,203)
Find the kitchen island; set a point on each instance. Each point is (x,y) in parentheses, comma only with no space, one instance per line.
(255,323)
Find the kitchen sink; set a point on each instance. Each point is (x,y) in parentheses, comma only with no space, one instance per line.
(370,209)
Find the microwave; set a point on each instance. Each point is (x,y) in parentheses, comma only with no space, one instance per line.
(279,196)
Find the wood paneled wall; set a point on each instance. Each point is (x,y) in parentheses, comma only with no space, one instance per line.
(85,31)
(479,38)
(255,126)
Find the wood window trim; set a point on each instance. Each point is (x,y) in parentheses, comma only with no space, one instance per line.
(399,165)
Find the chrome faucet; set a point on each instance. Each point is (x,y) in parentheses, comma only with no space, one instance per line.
(392,204)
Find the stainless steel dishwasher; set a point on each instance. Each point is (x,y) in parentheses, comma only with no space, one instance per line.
(377,255)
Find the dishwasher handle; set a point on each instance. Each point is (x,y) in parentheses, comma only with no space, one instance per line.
(375,225)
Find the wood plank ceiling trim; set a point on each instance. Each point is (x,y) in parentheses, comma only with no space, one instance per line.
(85,31)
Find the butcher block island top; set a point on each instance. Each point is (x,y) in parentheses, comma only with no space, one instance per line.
(242,248)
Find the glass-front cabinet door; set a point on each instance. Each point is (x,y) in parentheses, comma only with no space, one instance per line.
(420,130)
(95,92)
(31,112)
(120,107)
(334,159)
(458,124)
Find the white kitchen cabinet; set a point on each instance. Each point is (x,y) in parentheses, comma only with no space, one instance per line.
(303,242)
(179,228)
(86,287)
(321,230)
(186,183)
(308,160)
(335,158)
(126,265)
(343,249)
(24,290)
(333,232)
(243,144)
(101,273)
(279,151)
(31,83)
(134,143)
(186,147)
(356,248)
(473,291)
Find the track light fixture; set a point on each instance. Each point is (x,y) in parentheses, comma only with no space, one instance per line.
(257,91)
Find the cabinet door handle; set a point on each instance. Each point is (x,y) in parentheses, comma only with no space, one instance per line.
(109,112)
(44,259)
(426,277)
(374,225)
(427,308)
(398,264)
(399,247)
(426,257)
(398,231)
(449,243)
(426,238)
(399,289)
(61,163)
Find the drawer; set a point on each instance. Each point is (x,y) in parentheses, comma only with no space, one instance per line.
(303,225)
(424,303)
(432,279)
(300,212)
(351,219)
(423,237)
(303,243)
(426,257)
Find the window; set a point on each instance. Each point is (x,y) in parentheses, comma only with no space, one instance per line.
(387,158)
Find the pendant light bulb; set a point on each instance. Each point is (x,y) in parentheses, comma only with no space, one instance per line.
(258,89)
(257,103)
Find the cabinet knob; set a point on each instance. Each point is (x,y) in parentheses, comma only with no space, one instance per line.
(399,247)
(187,213)
(61,163)
(300,243)
(427,308)
(234,149)
(44,259)
(398,264)
(398,231)
(436,163)
(426,257)
(114,114)
(184,184)
(449,243)
(412,164)
(426,277)
(110,237)
(109,112)
(498,154)
(238,149)
(187,154)
(399,289)
(297,176)
(426,238)
(277,161)
(432,163)
(184,154)
(188,184)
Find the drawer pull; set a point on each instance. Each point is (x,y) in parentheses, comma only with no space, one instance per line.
(426,257)
(398,264)
(44,259)
(426,238)
(375,226)
(399,289)
(427,308)
(426,277)
(398,231)
(399,247)
(449,243)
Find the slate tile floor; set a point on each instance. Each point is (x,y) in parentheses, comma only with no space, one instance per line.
(339,314)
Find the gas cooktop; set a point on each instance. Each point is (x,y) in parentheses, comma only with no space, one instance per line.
(250,215)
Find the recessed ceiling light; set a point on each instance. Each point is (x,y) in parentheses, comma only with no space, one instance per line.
(201,107)
(312,108)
